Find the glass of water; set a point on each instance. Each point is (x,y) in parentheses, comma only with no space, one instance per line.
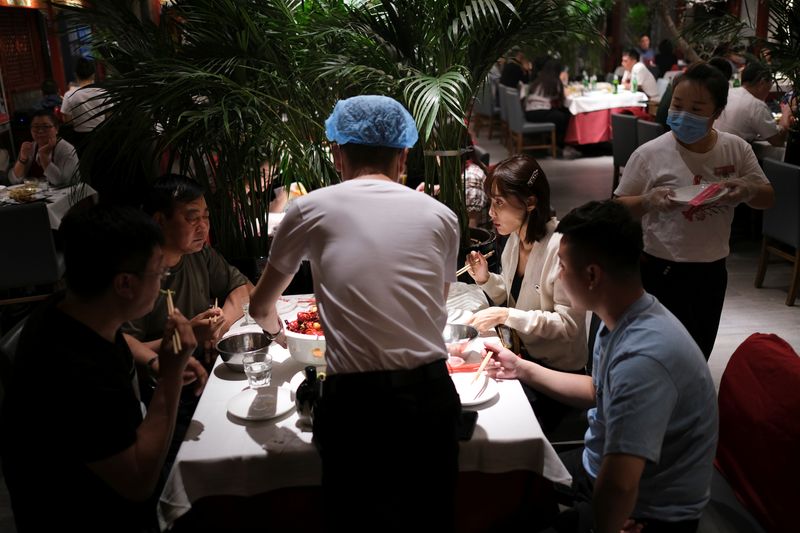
(258,367)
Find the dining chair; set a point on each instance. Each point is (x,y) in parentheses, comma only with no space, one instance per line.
(31,266)
(8,352)
(518,127)
(647,130)
(623,142)
(485,111)
(661,85)
(781,223)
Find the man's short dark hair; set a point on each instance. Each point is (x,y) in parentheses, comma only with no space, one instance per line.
(84,68)
(633,53)
(169,190)
(604,233)
(755,72)
(103,241)
(378,158)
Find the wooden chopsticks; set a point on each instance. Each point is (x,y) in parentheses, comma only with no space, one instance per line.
(176,339)
(464,269)
(480,368)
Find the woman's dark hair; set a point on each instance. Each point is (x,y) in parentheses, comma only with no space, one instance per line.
(516,179)
(606,234)
(45,113)
(709,77)
(665,47)
(103,241)
(550,83)
(723,65)
(169,190)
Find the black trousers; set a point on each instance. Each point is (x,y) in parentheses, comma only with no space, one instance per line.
(579,519)
(558,116)
(693,292)
(389,449)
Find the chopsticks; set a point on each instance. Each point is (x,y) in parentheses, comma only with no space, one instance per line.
(176,339)
(216,305)
(480,368)
(464,269)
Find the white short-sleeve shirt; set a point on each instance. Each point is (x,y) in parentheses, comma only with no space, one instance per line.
(86,106)
(747,117)
(685,234)
(380,255)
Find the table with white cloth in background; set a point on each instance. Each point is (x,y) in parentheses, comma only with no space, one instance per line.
(222,455)
(591,113)
(59,201)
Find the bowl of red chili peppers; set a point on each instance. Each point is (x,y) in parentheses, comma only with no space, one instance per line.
(305,338)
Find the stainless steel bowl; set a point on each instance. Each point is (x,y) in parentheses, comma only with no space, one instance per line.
(232,348)
(457,337)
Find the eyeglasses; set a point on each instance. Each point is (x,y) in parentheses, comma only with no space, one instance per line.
(163,274)
(42,127)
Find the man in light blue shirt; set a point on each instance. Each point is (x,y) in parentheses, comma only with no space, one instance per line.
(652,405)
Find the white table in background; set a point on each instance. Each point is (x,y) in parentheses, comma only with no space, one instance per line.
(59,201)
(222,455)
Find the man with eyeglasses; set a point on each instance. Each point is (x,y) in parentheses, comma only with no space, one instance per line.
(198,276)
(47,157)
(77,450)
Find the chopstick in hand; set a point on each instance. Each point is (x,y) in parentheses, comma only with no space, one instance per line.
(465,268)
(176,339)
(480,368)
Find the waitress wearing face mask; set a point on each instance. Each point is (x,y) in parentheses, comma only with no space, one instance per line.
(685,247)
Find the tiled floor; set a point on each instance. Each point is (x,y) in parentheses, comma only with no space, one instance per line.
(747,310)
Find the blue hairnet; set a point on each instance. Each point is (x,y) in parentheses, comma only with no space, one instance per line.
(371,120)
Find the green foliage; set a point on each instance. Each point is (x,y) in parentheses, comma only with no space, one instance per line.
(638,21)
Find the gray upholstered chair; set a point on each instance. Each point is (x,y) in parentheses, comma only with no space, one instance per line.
(781,225)
(518,127)
(647,130)
(623,142)
(485,111)
(30,257)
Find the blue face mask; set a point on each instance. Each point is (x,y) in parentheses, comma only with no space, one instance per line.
(688,128)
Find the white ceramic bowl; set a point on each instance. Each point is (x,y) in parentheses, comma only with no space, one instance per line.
(306,349)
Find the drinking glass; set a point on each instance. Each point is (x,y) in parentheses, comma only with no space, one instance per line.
(258,367)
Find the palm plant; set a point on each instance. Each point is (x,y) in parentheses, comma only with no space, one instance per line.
(433,55)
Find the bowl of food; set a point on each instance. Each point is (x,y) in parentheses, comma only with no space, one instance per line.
(457,337)
(305,338)
(234,347)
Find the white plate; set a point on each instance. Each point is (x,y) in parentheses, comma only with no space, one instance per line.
(261,404)
(284,305)
(684,195)
(483,390)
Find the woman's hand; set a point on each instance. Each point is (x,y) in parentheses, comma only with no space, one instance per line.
(478,267)
(486,319)
(738,191)
(504,363)
(46,153)
(658,199)
(26,151)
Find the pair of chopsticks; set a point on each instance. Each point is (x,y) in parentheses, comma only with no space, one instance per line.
(488,356)
(464,269)
(176,339)
(213,320)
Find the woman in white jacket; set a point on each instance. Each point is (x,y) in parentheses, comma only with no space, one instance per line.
(552,332)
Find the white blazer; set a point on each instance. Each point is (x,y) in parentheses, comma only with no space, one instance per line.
(551,329)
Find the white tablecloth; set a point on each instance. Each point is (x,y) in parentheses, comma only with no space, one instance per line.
(222,455)
(599,100)
(58,200)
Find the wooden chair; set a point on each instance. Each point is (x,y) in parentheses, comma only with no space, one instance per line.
(518,127)
(31,266)
(781,224)
(623,142)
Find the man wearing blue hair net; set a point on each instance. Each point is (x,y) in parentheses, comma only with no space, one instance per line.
(382,257)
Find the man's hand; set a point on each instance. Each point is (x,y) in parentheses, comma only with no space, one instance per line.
(194,372)
(658,199)
(207,327)
(170,363)
(738,191)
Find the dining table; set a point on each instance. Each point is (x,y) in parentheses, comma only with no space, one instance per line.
(591,112)
(226,462)
(58,200)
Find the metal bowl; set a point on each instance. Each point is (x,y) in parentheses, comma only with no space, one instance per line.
(457,337)
(232,348)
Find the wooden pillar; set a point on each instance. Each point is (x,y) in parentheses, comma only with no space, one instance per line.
(762,19)
(735,8)
(54,45)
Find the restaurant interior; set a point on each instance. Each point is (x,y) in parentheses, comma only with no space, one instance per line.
(101,101)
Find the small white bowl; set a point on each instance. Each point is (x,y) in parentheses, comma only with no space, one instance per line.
(306,349)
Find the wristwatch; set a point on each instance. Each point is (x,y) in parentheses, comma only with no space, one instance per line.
(272,336)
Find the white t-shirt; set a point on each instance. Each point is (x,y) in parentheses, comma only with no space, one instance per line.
(746,116)
(644,79)
(684,234)
(380,255)
(85,105)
